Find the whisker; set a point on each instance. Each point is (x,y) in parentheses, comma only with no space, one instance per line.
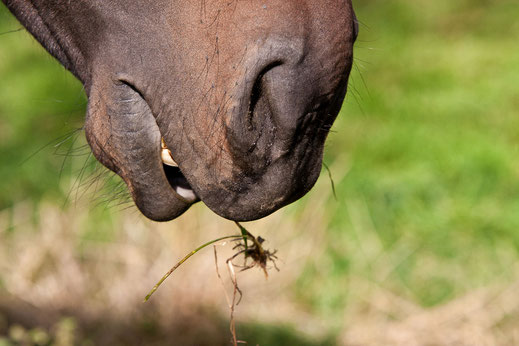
(56,142)
(11,31)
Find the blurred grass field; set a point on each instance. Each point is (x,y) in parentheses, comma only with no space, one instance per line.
(421,246)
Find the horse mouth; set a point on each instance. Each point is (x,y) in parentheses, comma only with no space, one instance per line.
(167,173)
(261,175)
(176,178)
(125,137)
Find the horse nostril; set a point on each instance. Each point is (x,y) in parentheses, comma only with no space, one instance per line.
(258,91)
(254,99)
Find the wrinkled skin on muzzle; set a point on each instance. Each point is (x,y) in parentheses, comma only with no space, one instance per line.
(243,93)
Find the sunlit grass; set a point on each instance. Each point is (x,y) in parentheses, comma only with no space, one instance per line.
(39,103)
(428,146)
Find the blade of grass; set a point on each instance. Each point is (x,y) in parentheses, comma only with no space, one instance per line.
(245,234)
(331,179)
(188,256)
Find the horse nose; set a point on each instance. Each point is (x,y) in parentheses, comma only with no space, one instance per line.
(281,101)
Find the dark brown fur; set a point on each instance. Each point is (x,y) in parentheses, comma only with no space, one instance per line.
(243,92)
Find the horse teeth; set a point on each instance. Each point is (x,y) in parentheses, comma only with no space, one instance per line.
(163,144)
(165,155)
(186,193)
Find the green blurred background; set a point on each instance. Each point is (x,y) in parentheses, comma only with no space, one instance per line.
(424,157)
